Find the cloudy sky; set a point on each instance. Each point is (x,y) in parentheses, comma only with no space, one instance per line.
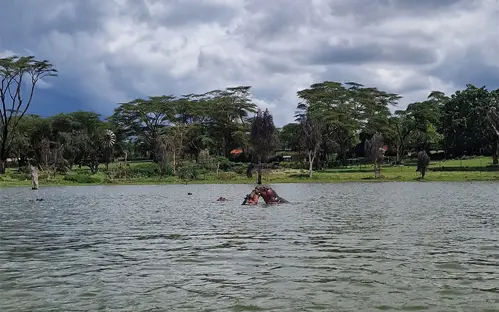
(113,51)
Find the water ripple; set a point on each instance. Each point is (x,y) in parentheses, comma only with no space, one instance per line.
(351,247)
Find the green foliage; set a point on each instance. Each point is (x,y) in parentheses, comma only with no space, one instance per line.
(18,78)
(344,111)
(188,171)
(239,168)
(223,163)
(145,170)
(82,178)
(227,176)
(293,165)
(195,135)
(289,136)
(264,139)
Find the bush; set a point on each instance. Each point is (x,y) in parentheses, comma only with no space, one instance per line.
(228,175)
(143,170)
(187,171)
(293,165)
(239,169)
(21,176)
(225,164)
(23,169)
(80,178)
(83,170)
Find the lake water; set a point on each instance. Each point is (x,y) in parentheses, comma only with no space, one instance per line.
(336,247)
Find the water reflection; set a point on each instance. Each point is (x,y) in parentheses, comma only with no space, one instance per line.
(337,247)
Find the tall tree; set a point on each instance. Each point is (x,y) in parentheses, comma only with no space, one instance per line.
(463,122)
(311,141)
(329,103)
(345,111)
(263,138)
(145,118)
(227,112)
(18,78)
(425,120)
(290,135)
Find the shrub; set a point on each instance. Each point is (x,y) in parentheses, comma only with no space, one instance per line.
(225,164)
(293,165)
(187,171)
(80,178)
(239,169)
(228,175)
(21,176)
(143,170)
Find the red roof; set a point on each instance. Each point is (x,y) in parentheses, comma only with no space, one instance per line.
(236,151)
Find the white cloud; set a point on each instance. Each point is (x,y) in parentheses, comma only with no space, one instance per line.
(115,51)
(6,53)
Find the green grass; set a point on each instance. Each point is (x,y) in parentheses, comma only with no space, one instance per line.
(144,175)
(472,162)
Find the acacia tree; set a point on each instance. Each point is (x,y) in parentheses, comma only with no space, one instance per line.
(263,138)
(311,140)
(227,111)
(145,119)
(18,78)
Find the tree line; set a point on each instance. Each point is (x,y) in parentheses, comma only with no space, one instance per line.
(334,122)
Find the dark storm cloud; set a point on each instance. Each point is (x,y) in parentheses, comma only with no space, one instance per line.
(346,53)
(122,49)
(423,5)
(278,65)
(27,19)
(192,12)
(367,11)
(468,69)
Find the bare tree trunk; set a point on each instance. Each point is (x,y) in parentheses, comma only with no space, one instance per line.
(3,166)
(55,166)
(398,159)
(174,162)
(495,146)
(259,178)
(3,150)
(3,154)
(310,164)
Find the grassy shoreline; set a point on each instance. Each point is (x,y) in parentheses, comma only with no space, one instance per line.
(273,178)
(469,170)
